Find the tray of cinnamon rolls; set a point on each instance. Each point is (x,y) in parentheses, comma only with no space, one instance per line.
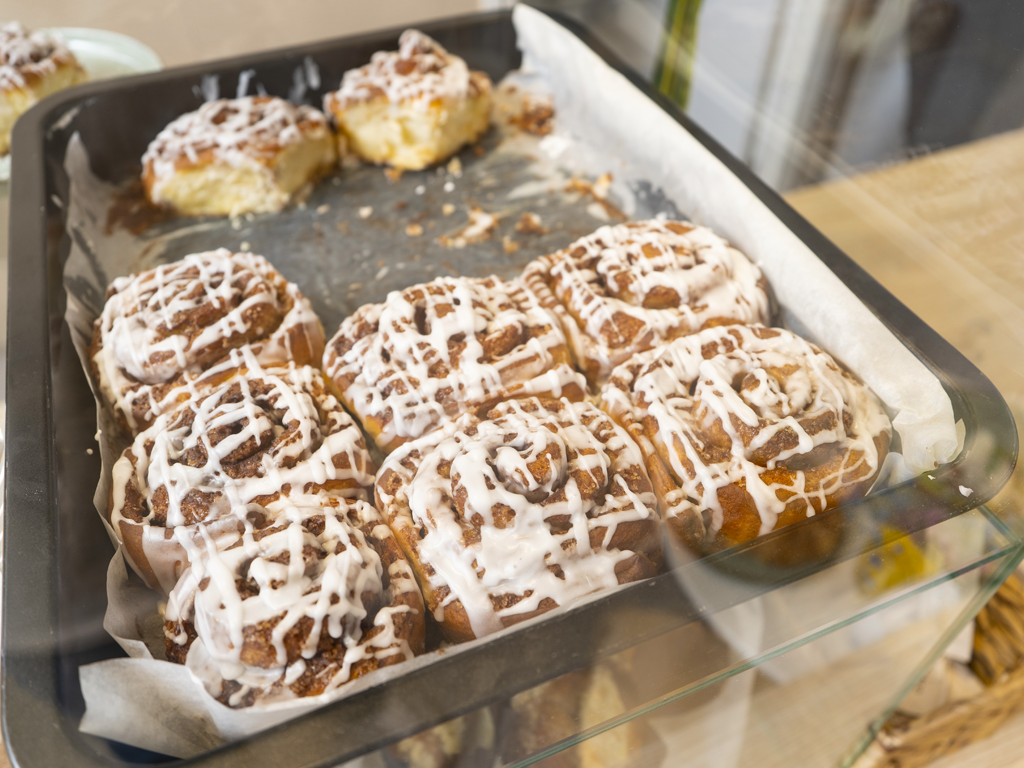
(398,393)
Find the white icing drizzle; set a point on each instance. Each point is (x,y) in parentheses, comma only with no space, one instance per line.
(266,603)
(247,434)
(479,502)
(771,395)
(247,133)
(419,74)
(179,318)
(26,57)
(627,287)
(435,351)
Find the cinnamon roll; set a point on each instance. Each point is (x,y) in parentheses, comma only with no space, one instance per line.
(746,429)
(451,346)
(412,107)
(507,517)
(246,437)
(629,287)
(320,595)
(32,66)
(231,156)
(162,328)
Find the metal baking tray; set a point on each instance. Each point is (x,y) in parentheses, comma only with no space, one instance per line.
(56,553)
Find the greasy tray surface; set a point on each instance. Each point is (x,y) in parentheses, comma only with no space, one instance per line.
(56,554)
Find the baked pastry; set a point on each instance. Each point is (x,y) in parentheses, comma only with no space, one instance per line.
(505,518)
(32,66)
(412,107)
(444,348)
(320,595)
(231,156)
(745,429)
(246,437)
(629,287)
(162,328)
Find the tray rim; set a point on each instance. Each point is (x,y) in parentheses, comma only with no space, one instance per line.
(31,479)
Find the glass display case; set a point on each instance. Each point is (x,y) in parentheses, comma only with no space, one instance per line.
(823,128)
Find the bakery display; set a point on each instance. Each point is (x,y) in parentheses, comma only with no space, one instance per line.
(507,517)
(451,346)
(251,436)
(319,595)
(254,154)
(412,107)
(162,328)
(32,66)
(630,287)
(746,429)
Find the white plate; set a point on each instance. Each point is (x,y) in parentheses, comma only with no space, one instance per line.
(103,55)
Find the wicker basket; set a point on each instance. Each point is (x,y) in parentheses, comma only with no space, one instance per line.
(998,660)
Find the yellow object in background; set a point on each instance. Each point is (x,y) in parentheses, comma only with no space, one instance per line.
(897,560)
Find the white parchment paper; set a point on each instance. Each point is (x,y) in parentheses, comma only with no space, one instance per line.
(603,123)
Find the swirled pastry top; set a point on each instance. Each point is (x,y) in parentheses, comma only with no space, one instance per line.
(253,436)
(241,132)
(627,287)
(437,350)
(25,59)
(319,595)
(421,72)
(504,518)
(180,318)
(748,416)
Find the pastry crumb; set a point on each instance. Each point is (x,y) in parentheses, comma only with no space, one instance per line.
(455,167)
(393,174)
(366,212)
(530,224)
(414,230)
(447,209)
(481,227)
(323,209)
(509,245)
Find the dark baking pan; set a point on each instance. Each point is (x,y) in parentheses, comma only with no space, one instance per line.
(56,552)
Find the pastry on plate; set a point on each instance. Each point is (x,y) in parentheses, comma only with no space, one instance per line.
(32,66)
(412,107)
(255,154)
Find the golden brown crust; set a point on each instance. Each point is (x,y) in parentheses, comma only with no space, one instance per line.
(441,349)
(136,368)
(511,492)
(376,605)
(190,467)
(735,405)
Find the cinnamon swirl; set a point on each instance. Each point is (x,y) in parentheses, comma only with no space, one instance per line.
(320,595)
(746,429)
(32,66)
(629,287)
(451,346)
(246,437)
(542,502)
(412,107)
(249,155)
(162,328)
